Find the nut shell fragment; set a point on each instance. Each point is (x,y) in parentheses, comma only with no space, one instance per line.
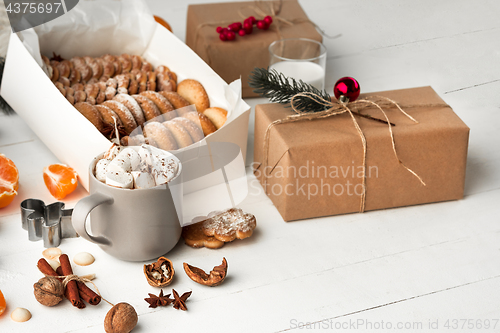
(216,277)
(159,273)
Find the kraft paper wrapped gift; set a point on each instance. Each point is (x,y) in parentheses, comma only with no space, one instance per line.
(232,59)
(315,166)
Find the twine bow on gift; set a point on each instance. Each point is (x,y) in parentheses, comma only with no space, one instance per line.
(333,108)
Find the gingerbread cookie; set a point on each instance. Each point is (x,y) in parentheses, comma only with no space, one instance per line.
(124,114)
(199,118)
(166,109)
(218,116)
(194,93)
(229,225)
(91,113)
(195,237)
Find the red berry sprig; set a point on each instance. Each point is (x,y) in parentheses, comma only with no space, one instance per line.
(229,33)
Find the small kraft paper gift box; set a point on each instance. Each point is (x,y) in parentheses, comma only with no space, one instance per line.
(237,58)
(313,168)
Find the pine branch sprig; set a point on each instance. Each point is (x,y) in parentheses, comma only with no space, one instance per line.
(280,89)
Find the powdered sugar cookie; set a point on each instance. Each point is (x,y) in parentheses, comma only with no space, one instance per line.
(149,108)
(161,135)
(195,237)
(229,225)
(133,106)
(124,113)
(166,109)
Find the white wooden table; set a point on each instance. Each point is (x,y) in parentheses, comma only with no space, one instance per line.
(432,267)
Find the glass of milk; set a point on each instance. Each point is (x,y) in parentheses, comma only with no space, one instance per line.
(300,58)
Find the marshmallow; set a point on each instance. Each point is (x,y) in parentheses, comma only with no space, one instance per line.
(146,156)
(143,179)
(101,169)
(112,152)
(119,179)
(127,160)
(164,169)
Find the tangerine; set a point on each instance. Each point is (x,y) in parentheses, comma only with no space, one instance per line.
(163,22)
(60,179)
(9,181)
(3,305)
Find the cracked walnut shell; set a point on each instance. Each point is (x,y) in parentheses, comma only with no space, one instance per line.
(216,277)
(160,273)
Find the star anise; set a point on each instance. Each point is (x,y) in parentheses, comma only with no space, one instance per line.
(56,57)
(159,300)
(180,302)
(110,133)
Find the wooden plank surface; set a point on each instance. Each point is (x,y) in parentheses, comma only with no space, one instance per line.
(417,266)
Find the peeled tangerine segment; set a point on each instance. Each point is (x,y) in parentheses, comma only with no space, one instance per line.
(60,180)
(3,305)
(9,181)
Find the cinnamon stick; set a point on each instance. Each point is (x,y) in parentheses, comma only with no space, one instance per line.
(71,287)
(45,268)
(87,294)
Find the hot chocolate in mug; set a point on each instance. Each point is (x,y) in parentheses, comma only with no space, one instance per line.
(131,224)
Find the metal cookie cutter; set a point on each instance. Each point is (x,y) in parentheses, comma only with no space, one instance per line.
(50,223)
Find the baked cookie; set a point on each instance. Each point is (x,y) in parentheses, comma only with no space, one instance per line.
(195,237)
(194,130)
(160,135)
(218,116)
(194,93)
(199,118)
(91,113)
(124,114)
(133,106)
(229,225)
(149,108)
(180,134)
(107,115)
(176,100)
(166,109)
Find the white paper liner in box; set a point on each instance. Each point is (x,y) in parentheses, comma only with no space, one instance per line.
(96,28)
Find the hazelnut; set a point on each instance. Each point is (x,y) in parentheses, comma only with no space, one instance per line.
(122,318)
(49,291)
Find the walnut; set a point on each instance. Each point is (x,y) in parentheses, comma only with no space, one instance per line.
(159,273)
(49,291)
(122,318)
(216,277)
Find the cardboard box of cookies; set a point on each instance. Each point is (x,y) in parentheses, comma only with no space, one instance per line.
(96,29)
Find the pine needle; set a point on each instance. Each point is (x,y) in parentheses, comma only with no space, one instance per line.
(280,89)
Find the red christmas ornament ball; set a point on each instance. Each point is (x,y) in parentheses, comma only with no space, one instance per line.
(219,30)
(241,33)
(261,25)
(252,19)
(348,87)
(268,20)
(223,37)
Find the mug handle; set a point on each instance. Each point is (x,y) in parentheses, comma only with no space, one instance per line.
(83,209)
